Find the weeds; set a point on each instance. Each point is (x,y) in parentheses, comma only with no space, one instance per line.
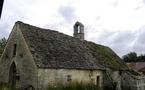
(74,86)
(4,86)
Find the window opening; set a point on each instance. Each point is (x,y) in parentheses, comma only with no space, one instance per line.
(14,49)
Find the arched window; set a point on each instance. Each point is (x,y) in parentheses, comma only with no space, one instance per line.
(79,29)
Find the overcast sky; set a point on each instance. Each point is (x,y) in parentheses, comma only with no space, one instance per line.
(119,24)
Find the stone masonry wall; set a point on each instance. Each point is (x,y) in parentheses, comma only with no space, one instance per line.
(25,65)
(53,76)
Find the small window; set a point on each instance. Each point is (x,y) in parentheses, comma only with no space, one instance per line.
(17,77)
(79,29)
(14,49)
(69,78)
(98,80)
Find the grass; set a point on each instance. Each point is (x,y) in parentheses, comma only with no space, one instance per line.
(74,86)
(4,86)
(71,86)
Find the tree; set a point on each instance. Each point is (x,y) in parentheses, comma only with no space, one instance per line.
(130,57)
(141,58)
(3,42)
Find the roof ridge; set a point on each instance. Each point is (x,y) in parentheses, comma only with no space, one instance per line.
(39,28)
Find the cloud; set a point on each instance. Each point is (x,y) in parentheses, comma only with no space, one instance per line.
(68,13)
(143,1)
(98,18)
(139,44)
(123,37)
(114,4)
(121,42)
(118,24)
(12,12)
(4,29)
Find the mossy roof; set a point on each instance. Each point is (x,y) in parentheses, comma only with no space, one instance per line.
(52,49)
(107,57)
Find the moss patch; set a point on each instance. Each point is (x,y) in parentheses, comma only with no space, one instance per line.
(106,56)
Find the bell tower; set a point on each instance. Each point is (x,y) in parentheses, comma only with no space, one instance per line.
(79,30)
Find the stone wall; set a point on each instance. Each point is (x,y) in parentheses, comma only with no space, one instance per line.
(25,65)
(53,76)
(133,82)
(117,79)
(112,80)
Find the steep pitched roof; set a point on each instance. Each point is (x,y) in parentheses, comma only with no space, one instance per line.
(52,49)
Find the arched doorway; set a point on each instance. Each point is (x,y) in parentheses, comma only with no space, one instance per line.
(12,76)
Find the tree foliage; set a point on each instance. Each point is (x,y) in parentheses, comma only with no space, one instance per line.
(132,57)
(3,42)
